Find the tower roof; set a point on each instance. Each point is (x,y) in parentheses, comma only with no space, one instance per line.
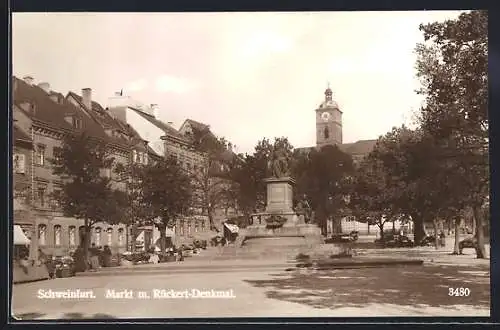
(329,102)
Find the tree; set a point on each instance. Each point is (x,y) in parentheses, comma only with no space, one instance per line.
(452,67)
(213,184)
(134,207)
(167,193)
(86,193)
(325,178)
(374,193)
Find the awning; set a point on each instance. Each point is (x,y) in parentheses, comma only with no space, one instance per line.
(140,237)
(19,236)
(232,228)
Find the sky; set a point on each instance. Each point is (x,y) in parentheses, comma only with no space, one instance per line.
(247,75)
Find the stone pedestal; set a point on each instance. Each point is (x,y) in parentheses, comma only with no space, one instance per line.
(279,194)
(280,205)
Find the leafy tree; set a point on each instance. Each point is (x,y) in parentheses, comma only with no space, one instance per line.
(374,192)
(134,207)
(86,193)
(249,176)
(167,193)
(325,178)
(213,184)
(452,66)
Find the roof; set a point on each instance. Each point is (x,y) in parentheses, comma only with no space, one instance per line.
(169,130)
(196,124)
(103,119)
(19,135)
(46,110)
(361,147)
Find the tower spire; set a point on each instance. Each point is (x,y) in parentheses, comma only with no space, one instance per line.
(328,92)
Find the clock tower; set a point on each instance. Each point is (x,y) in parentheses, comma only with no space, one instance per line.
(328,122)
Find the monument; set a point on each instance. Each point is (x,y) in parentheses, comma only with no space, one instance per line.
(280,225)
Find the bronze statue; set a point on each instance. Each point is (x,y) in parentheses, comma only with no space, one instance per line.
(279,163)
(304,209)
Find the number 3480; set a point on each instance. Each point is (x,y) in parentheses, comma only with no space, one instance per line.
(458,292)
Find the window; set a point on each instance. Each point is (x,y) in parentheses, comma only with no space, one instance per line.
(326,133)
(56,197)
(41,196)
(40,155)
(146,159)
(196,225)
(110,236)
(134,156)
(72,235)
(120,236)
(189,228)
(202,225)
(107,172)
(57,235)
(42,234)
(19,163)
(56,153)
(77,123)
(97,237)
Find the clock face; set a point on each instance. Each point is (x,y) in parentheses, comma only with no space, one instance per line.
(325,116)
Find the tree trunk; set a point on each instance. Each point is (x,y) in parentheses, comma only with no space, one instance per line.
(458,222)
(211,220)
(450,224)
(34,242)
(393,225)
(381,228)
(473,223)
(480,250)
(163,239)
(418,228)
(86,243)
(436,236)
(133,237)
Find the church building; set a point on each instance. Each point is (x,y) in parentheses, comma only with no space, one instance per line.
(329,132)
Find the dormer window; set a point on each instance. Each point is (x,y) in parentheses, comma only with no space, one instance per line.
(77,123)
(139,157)
(74,121)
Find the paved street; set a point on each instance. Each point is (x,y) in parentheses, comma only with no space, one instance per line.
(262,291)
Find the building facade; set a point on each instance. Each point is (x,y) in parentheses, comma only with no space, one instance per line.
(166,141)
(49,116)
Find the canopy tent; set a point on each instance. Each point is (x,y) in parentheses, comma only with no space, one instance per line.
(19,237)
(232,228)
(140,237)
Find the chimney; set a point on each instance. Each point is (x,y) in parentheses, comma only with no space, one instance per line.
(155,110)
(87,97)
(45,86)
(170,123)
(29,80)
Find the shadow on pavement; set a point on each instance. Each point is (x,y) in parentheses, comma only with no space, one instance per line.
(413,286)
(66,316)
(27,316)
(80,316)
